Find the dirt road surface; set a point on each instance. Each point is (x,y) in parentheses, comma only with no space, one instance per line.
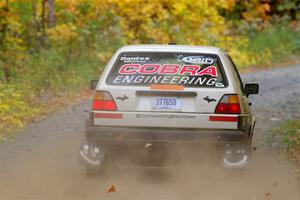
(42,162)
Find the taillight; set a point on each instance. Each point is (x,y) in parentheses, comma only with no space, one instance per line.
(103,101)
(229,104)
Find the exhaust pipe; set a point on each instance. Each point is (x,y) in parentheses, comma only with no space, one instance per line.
(91,155)
(235,156)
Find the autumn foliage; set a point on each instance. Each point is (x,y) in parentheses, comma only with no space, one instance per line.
(52,47)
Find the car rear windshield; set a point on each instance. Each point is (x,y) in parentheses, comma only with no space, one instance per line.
(152,68)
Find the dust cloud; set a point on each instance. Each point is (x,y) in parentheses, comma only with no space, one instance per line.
(176,171)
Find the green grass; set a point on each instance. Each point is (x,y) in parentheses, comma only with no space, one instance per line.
(290,131)
(290,134)
(271,46)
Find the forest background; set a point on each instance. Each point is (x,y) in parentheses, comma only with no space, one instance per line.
(50,49)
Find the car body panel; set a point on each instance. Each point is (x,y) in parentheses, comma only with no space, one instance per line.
(165,119)
(189,104)
(131,135)
(136,110)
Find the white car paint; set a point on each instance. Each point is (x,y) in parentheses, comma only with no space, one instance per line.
(195,111)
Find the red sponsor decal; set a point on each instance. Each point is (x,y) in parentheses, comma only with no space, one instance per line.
(129,68)
(149,69)
(211,70)
(169,69)
(189,69)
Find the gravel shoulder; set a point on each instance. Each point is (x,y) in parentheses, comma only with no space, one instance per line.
(42,161)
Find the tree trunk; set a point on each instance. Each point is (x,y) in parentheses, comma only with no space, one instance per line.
(3,29)
(44,17)
(42,24)
(51,14)
(33,36)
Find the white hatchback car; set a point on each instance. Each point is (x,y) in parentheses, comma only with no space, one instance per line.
(166,93)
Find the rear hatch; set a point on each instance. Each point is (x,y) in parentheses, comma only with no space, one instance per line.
(160,89)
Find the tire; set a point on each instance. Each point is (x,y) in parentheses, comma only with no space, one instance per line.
(92,161)
(237,155)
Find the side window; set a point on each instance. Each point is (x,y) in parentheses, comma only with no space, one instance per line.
(236,73)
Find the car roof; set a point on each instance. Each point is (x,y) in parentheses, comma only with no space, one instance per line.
(170,48)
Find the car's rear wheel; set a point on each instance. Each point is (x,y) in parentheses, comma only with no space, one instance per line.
(93,157)
(237,155)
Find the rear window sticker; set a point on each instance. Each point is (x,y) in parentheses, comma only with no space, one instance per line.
(220,85)
(185,69)
(136,59)
(170,69)
(198,60)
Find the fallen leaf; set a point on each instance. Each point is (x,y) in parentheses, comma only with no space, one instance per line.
(112,188)
(120,137)
(268,195)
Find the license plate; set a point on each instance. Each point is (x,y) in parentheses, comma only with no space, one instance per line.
(165,103)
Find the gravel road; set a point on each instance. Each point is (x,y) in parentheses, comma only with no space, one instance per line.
(42,162)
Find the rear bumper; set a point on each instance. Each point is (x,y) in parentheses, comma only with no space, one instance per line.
(165,135)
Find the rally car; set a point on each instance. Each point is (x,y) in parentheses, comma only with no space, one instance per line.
(170,93)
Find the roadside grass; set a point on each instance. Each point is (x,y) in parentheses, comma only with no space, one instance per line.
(16,114)
(290,134)
(49,83)
(277,44)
